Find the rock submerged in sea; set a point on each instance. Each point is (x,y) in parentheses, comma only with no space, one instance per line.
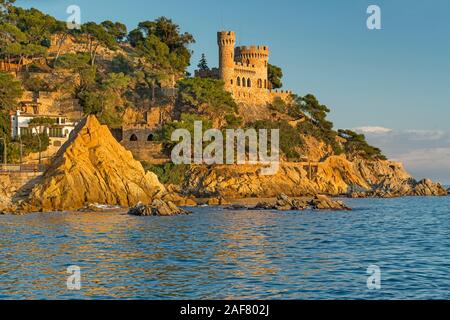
(319,202)
(157,208)
(283,203)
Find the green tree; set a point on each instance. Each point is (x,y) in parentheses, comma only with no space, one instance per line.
(116,29)
(36,25)
(80,64)
(106,100)
(176,57)
(357,146)
(120,63)
(11,38)
(275,74)
(61,32)
(41,124)
(203,63)
(10,91)
(317,112)
(97,36)
(290,138)
(116,82)
(279,105)
(155,51)
(187,122)
(206,95)
(135,37)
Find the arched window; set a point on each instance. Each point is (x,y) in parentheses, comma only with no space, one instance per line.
(238,81)
(244,82)
(248,61)
(259,83)
(133,137)
(150,137)
(249,83)
(265,84)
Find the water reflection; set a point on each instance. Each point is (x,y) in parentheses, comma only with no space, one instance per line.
(216,254)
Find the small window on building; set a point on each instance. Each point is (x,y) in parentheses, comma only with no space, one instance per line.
(231,81)
(57,143)
(133,137)
(249,83)
(150,137)
(238,81)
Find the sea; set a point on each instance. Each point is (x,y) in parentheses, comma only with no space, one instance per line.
(384,249)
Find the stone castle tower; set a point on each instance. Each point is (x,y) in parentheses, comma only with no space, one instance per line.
(244,71)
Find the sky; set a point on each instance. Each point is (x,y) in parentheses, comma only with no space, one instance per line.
(392,84)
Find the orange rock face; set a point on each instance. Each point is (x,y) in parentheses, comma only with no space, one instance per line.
(92,167)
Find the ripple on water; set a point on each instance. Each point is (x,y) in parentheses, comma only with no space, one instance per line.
(219,254)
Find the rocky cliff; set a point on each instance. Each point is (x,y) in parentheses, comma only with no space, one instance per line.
(334,176)
(5,192)
(92,167)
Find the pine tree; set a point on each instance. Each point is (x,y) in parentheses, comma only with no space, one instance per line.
(203,64)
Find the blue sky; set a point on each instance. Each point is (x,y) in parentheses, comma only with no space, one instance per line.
(397,78)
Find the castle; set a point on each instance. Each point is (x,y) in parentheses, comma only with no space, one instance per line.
(244,71)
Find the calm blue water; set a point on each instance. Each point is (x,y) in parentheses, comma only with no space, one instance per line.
(216,254)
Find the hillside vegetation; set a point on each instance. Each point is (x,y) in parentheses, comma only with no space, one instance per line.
(112,69)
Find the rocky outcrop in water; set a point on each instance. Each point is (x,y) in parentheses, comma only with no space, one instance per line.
(92,167)
(157,208)
(319,202)
(408,187)
(283,203)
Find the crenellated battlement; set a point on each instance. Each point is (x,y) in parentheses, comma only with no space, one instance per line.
(226,38)
(244,71)
(253,49)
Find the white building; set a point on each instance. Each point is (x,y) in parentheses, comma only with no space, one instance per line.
(58,133)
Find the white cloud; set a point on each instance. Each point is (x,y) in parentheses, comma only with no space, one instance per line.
(373,129)
(426,134)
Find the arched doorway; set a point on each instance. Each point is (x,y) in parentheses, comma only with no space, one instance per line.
(133,137)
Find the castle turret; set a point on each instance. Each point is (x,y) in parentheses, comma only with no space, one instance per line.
(253,55)
(226,41)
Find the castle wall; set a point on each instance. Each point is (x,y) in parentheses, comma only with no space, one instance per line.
(150,152)
(244,71)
